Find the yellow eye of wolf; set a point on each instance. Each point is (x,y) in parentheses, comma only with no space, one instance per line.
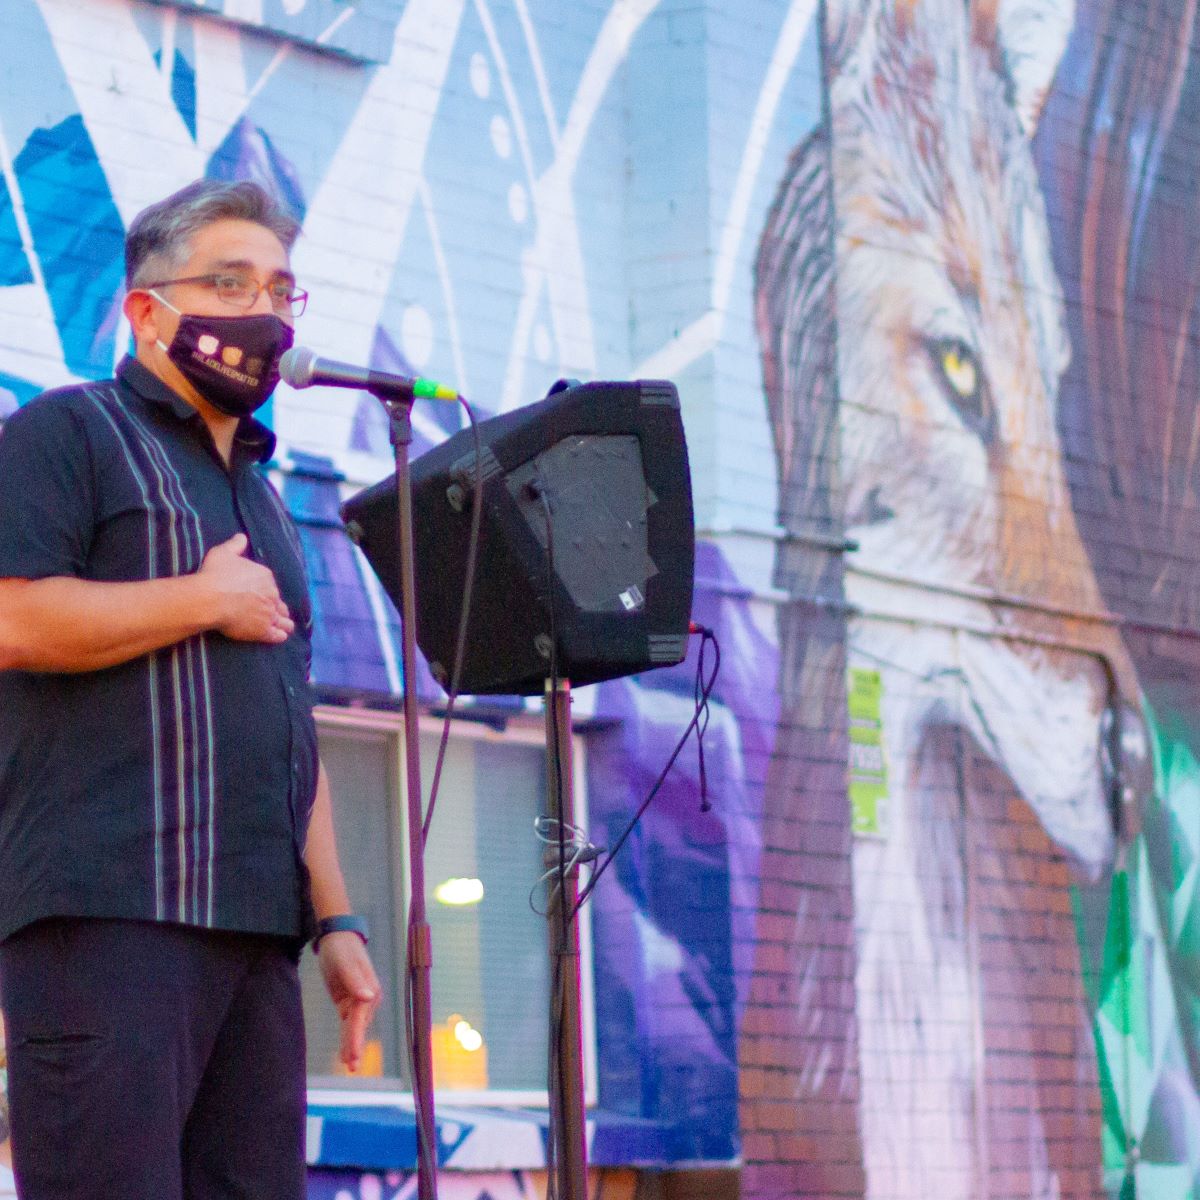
(958,365)
(963,381)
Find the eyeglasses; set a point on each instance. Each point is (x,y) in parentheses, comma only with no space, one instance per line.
(242,291)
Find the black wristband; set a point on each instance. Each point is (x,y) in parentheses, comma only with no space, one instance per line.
(343,923)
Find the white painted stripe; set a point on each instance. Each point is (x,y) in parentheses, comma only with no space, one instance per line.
(313,1129)
(141,100)
(371,179)
(689,344)
(443,270)
(512,103)
(556,258)
(539,71)
(700,337)
(333,27)
(166,56)
(783,58)
(277,60)
(219,66)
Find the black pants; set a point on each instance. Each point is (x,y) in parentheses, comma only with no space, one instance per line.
(153,1062)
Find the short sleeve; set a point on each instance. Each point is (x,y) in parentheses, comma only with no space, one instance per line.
(47,501)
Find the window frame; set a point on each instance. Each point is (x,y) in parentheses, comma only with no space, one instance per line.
(521,730)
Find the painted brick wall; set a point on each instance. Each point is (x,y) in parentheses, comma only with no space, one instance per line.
(924,275)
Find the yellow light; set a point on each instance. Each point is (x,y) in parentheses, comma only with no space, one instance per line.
(459,892)
(460,1055)
(467,1036)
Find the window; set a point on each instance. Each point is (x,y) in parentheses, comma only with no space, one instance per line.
(490,976)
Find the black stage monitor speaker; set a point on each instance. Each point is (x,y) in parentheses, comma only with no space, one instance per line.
(608,463)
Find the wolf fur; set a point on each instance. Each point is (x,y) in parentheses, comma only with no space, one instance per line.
(970,588)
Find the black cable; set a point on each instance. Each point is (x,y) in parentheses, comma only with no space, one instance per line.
(705,689)
(701,699)
(463,619)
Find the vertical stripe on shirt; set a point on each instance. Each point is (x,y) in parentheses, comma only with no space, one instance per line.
(202,780)
(190,751)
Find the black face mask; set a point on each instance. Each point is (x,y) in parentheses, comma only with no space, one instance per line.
(233,362)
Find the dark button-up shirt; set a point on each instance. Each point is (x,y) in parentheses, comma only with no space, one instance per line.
(177,786)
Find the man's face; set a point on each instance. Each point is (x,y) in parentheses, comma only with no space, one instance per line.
(228,247)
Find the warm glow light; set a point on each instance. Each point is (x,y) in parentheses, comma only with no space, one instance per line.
(468,1037)
(459,891)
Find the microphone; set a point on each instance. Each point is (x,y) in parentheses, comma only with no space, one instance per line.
(300,368)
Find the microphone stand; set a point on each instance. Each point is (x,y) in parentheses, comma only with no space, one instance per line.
(398,402)
(569,1122)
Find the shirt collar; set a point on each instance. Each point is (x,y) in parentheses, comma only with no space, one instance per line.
(252,438)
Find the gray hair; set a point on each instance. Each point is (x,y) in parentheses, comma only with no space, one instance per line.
(159,235)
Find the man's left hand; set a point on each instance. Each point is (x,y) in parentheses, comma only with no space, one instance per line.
(353,987)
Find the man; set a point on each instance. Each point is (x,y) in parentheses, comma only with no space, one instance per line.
(166,836)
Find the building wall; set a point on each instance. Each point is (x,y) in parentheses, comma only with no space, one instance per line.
(924,274)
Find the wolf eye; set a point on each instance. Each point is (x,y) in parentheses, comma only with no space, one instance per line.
(962,380)
(958,366)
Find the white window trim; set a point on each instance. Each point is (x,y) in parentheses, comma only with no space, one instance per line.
(334,1090)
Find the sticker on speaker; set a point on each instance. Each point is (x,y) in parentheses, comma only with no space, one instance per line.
(632,598)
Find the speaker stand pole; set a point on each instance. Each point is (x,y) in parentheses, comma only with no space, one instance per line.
(420,954)
(569,1122)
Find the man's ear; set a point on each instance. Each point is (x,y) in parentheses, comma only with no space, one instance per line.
(139,311)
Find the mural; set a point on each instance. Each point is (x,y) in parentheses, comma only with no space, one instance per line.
(508,1185)
(999,738)
(925,273)
(452,166)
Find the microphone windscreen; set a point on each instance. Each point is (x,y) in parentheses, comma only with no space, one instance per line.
(296,366)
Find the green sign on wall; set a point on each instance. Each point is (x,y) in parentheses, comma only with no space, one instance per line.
(868,764)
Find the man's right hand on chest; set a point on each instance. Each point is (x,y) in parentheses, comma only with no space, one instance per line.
(248,605)
(62,623)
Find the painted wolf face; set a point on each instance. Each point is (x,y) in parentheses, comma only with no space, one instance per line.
(950,346)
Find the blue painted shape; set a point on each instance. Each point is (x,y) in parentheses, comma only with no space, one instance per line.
(622,1141)
(348,652)
(348,657)
(183,91)
(248,153)
(379,1137)
(183,88)
(666,933)
(375,1136)
(14,262)
(79,239)
(21,390)
(370,431)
